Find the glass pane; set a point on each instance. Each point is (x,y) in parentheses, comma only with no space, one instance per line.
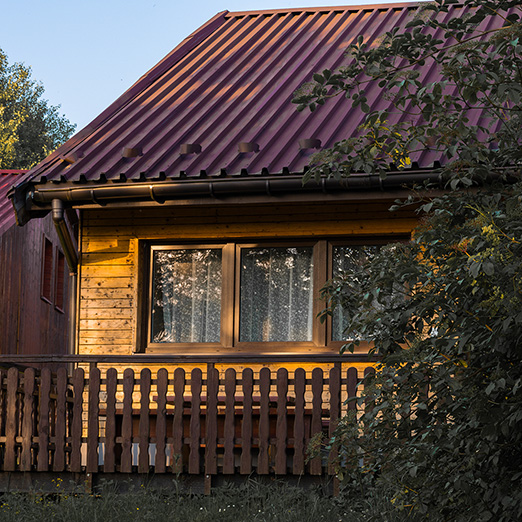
(276,294)
(186,296)
(346,258)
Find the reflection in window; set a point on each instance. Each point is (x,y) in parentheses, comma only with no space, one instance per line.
(348,258)
(186,296)
(276,294)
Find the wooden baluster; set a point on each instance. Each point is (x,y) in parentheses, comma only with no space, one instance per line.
(351,378)
(93,423)
(78,382)
(162,380)
(28,419)
(211,421)
(43,421)
(10,458)
(195,421)
(177,422)
(126,422)
(263,461)
(144,429)
(299,424)
(229,429)
(60,412)
(317,425)
(246,425)
(281,424)
(335,413)
(109,463)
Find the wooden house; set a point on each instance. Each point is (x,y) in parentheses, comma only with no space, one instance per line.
(33,282)
(201,253)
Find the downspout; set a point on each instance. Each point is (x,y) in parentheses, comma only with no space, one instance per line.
(71,255)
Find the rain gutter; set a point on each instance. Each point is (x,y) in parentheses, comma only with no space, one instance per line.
(216,188)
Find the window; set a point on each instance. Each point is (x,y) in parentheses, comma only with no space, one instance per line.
(53,276)
(47,270)
(59,281)
(238,295)
(346,257)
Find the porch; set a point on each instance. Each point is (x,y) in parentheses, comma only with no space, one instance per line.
(195,416)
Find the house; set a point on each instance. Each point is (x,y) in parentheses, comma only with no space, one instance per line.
(33,282)
(201,253)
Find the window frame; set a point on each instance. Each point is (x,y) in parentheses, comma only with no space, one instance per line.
(276,345)
(230,295)
(160,347)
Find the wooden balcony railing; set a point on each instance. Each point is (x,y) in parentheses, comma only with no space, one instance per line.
(177,420)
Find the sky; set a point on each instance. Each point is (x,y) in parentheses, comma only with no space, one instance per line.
(88,52)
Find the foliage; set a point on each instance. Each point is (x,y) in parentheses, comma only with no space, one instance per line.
(30,128)
(480,69)
(442,421)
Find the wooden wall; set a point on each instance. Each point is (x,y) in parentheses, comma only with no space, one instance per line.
(109,272)
(28,324)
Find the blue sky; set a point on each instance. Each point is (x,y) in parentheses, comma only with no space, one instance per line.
(88,52)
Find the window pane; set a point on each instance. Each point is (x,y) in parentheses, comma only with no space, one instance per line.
(276,294)
(346,258)
(186,296)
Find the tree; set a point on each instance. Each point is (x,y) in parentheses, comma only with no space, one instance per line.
(30,128)
(442,424)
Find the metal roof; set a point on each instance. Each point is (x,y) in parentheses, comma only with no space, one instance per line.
(8,178)
(220,103)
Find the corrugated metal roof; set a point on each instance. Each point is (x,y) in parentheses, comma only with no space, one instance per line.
(230,83)
(8,178)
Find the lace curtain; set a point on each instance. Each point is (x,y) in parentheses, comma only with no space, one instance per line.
(186,296)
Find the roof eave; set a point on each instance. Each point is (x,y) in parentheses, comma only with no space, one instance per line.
(34,200)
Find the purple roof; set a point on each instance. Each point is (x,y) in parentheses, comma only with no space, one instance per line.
(220,102)
(8,178)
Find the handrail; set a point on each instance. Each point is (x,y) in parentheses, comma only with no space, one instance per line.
(251,358)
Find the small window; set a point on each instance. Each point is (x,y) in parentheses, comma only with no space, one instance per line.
(47,271)
(60,281)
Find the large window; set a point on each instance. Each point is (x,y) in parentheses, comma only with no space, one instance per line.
(245,296)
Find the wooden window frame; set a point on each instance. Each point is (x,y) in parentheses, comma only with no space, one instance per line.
(151,347)
(281,346)
(230,296)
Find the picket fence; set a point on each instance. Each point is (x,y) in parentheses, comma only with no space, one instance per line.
(210,422)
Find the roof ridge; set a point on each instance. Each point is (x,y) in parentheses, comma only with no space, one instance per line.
(394,5)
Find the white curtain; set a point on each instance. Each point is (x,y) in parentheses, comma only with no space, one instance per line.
(186,296)
(276,294)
